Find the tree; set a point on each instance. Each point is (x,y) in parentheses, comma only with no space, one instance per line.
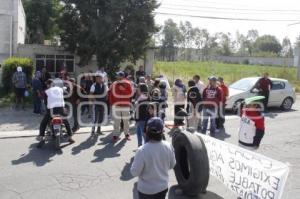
(188,36)
(171,38)
(297,43)
(114,31)
(287,50)
(225,44)
(201,40)
(41,18)
(267,43)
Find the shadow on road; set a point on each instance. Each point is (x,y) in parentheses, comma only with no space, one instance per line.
(88,143)
(39,157)
(110,150)
(222,135)
(125,174)
(208,195)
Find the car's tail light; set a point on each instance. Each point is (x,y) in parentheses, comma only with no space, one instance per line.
(57,120)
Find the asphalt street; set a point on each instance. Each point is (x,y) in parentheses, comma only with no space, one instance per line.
(93,167)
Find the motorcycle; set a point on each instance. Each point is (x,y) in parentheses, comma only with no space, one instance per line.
(56,131)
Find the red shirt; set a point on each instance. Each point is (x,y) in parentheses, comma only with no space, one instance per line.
(264,84)
(256,117)
(212,95)
(225,92)
(120,93)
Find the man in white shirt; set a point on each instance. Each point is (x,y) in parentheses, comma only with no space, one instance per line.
(102,72)
(199,84)
(58,81)
(55,106)
(152,162)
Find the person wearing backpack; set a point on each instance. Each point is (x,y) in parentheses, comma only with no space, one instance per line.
(19,81)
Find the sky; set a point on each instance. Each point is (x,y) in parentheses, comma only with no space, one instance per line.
(288,11)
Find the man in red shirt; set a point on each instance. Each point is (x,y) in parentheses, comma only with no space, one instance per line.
(221,113)
(212,97)
(264,85)
(120,95)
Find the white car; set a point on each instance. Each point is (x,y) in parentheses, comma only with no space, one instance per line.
(282,93)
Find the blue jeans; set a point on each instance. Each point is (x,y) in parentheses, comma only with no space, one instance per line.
(209,113)
(36,103)
(140,126)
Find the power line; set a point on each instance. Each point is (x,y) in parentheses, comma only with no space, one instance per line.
(294,24)
(227,18)
(224,12)
(227,8)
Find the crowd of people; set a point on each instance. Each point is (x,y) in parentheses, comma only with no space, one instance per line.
(129,97)
(143,99)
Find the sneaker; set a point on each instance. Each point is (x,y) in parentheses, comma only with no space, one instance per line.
(115,138)
(74,129)
(71,140)
(41,144)
(99,132)
(127,137)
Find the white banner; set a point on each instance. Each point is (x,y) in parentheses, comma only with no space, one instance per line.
(249,175)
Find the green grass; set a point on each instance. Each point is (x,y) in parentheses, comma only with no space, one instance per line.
(230,72)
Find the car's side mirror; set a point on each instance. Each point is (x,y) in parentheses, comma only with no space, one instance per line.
(254,90)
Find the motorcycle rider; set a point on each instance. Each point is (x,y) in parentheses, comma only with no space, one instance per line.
(55,106)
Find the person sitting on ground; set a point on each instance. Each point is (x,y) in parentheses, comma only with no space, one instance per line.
(152,162)
(55,106)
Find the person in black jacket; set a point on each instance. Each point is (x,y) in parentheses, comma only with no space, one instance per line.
(99,90)
(193,106)
(141,113)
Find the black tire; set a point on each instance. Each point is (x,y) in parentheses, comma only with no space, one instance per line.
(287,104)
(57,141)
(192,168)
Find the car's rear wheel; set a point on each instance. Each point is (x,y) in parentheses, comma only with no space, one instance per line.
(287,104)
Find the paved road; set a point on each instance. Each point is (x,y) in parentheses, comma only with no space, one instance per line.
(93,167)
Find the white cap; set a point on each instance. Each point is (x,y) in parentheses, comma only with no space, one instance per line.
(19,69)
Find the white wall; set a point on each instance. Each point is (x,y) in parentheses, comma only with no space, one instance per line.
(271,61)
(11,10)
(21,24)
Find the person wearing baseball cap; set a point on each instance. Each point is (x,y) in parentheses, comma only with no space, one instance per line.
(212,97)
(152,162)
(19,81)
(120,94)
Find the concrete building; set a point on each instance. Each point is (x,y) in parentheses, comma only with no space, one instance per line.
(55,58)
(13,27)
